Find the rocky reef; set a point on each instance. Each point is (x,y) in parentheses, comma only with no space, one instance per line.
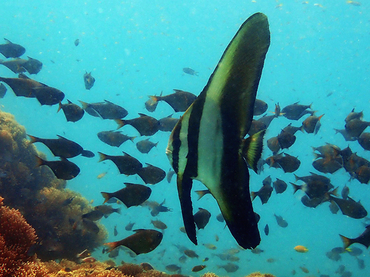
(41,198)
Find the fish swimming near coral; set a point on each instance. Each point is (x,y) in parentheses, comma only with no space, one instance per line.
(143,241)
(219,116)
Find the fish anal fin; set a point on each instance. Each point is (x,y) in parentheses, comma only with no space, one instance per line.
(251,149)
(184,185)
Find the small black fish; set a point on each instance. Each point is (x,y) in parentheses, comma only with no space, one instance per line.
(11,50)
(201,218)
(288,163)
(355,127)
(350,207)
(71,111)
(151,174)
(312,124)
(114,138)
(104,110)
(296,111)
(48,95)
(131,195)
(126,164)
(63,169)
(273,145)
(190,71)
(280,186)
(281,221)
(180,100)
(115,232)
(354,115)
(77,42)
(143,241)
(144,124)
(364,140)
(63,147)
(267,230)
(93,215)
(260,107)
(107,210)
(159,208)
(144,146)
(33,66)
(88,80)
(265,192)
(167,124)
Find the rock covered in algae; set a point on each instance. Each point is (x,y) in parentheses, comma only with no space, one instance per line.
(41,198)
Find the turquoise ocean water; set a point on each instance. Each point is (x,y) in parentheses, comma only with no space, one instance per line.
(319,54)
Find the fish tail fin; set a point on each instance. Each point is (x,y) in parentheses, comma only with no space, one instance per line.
(118,210)
(253,195)
(33,139)
(84,104)
(154,99)
(106,196)
(295,187)
(102,156)
(320,117)
(346,241)
(296,177)
(60,106)
(132,138)
(252,149)
(334,192)
(201,193)
(120,123)
(111,245)
(39,161)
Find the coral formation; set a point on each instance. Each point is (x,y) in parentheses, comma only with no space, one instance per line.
(16,238)
(42,198)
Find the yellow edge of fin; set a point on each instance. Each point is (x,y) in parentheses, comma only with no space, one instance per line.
(252,149)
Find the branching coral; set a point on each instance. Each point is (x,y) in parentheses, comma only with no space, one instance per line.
(16,238)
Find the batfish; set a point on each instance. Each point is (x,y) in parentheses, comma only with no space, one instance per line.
(207,144)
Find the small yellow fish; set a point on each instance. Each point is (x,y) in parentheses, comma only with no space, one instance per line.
(354,3)
(301,249)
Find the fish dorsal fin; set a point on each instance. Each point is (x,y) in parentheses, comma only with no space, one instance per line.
(142,115)
(127,154)
(251,149)
(59,136)
(129,184)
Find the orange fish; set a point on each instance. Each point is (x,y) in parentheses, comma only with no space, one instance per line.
(301,249)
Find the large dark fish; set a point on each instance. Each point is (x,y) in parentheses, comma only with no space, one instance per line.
(151,174)
(11,50)
(207,143)
(143,241)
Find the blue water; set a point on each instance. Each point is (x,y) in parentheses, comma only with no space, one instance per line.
(319,54)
